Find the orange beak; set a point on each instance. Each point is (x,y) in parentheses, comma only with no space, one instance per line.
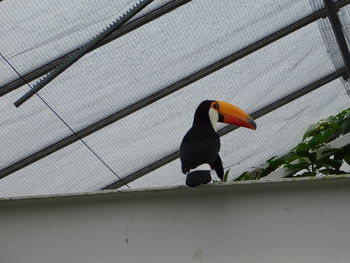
(231,114)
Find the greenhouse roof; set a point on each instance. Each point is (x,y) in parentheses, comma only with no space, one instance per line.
(116,117)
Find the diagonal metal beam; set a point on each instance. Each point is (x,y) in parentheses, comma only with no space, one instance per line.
(129,27)
(91,45)
(166,91)
(256,115)
(331,10)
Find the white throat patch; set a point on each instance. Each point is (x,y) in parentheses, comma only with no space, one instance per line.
(214,117)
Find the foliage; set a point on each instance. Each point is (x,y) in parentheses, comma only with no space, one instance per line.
(224,179)
(305,159)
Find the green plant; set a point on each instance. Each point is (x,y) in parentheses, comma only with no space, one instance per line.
(270,165)
(224,179)
(308,158)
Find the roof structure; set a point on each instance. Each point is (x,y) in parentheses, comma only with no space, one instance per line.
(116,117)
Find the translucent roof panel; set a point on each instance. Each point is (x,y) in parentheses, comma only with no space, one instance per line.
(282,129)
(28,129)
(344,16)
(251,83)
(40,31)
(59,173)
(6,72)
(161,53)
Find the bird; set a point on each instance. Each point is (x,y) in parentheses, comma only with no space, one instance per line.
(199,149)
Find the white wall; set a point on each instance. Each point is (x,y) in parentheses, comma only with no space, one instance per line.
(298,221)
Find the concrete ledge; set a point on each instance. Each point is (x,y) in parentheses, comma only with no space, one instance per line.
(213,188)
(286,220)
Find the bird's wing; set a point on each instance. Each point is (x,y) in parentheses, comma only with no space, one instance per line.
(198,147)
(185,156)
(217,166)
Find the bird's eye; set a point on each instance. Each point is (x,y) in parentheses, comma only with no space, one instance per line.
(216,106)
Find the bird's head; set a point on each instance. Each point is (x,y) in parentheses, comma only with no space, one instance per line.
(220,111)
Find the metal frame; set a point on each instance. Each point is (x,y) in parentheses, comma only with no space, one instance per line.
(171,89)
(331,10)
(127,28)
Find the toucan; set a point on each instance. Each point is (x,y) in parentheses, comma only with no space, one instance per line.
(199,150)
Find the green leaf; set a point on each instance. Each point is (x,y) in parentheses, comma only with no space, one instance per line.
(313,157)
(291,157)
(274,164)
(304,160)
(342,172)
(306,174)
(271,159)
(245,176)
(302,150)
(332,171)
(339,155)
(259,172)
(327,171)
(345,126)
(299,166)
(262,173)
(315,142)
(347,159)
(322,132)
(332,151)
(329,163)
(224,179)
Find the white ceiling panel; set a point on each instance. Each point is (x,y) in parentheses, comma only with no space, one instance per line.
(6,72)
(27,129)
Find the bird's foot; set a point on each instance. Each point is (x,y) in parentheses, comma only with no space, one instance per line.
(198,177)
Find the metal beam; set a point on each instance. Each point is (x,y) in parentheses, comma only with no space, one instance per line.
(259,113)
(165,92)
(331,10)
(129,27)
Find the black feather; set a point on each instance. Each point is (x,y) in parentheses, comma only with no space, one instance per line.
(201,143)
(217,166)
